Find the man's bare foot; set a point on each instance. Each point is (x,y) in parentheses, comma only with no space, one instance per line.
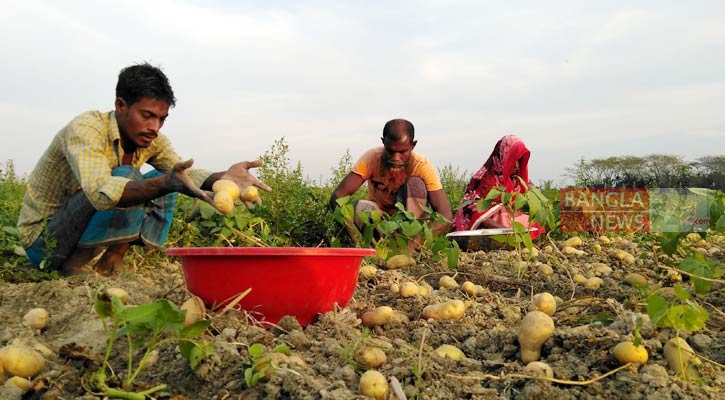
(76,263)
(112,258)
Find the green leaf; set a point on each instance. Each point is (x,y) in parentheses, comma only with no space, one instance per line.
(195,352)
(519,202)
(657,309)
(206,210)
(256,350)
(483,204)
(195,329)
(387,227)
(282,348)
(681,292)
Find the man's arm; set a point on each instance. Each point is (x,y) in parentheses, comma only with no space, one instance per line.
(349,185)
(439,202)
(139,192)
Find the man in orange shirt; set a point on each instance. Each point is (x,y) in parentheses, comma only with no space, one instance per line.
(395,173)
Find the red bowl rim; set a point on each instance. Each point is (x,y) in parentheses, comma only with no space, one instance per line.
(270,251)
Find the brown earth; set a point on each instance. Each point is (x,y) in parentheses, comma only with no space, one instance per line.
(589,323)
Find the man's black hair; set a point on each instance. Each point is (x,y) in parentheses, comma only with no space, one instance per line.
(396,129)
(144,81)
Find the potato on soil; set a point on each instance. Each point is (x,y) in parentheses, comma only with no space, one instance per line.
(378,316)
(269,363)
(447,282)
(540,369)
(535,329)
(449,351)
(635,279)
(574,241)
(469,288)
(225,185)
(21,360)
(249,194)
(223,202)
(36,318)
(627,352)
(593,283)
(684,357)
(408,289)
(449,310)
(368,271)
(19,382)
(373,384)
(195,310)
(543,302)
(400,261)
(371,357)
(571,251)
(118,292)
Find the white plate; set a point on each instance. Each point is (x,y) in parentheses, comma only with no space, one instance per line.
(485,232)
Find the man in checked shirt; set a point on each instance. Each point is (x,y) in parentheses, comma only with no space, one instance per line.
(87,194)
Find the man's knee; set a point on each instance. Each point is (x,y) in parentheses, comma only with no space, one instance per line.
(416,189)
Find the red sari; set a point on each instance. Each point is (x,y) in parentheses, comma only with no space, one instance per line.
(510,158)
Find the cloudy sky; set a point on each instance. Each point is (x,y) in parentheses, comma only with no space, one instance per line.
(573,78)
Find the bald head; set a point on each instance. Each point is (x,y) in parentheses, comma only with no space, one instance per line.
(397,129)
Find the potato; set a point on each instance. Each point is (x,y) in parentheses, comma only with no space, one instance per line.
(19,382)
(570,251)
(469,288)
(540,369)
(535,329)
(597,248)
(635,279)
(449,351)
(408,289)
(579,278)
(626,258)
(225,185)
(373,384)
(371,357)
(601,269)
(378,316)
(450,310)
(684,357)
(195,310)
(224,202)
(269,363)
(400,261)
(249,194)
(574,241)
(543,302)
(368,271)
(627,352)
(21,360)
(424,289)
(545,269)
(604,240)
(118,292)
(447,282)
(593,283)
(36,318)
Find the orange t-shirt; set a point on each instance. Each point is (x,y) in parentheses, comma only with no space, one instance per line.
(379,190)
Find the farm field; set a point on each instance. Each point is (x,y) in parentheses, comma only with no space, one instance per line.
(589,322)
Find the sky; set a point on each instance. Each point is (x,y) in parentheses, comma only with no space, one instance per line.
(573,79)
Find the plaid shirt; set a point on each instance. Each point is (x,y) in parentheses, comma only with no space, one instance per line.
(81,156)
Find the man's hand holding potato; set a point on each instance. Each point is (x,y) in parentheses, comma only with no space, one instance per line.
(247,183)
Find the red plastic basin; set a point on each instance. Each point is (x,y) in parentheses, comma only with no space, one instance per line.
(296,281)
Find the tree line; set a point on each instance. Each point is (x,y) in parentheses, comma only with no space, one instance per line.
(651,171)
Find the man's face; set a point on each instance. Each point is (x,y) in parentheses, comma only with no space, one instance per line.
(140,123)
(397,153)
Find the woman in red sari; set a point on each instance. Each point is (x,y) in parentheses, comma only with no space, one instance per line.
(508,162)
